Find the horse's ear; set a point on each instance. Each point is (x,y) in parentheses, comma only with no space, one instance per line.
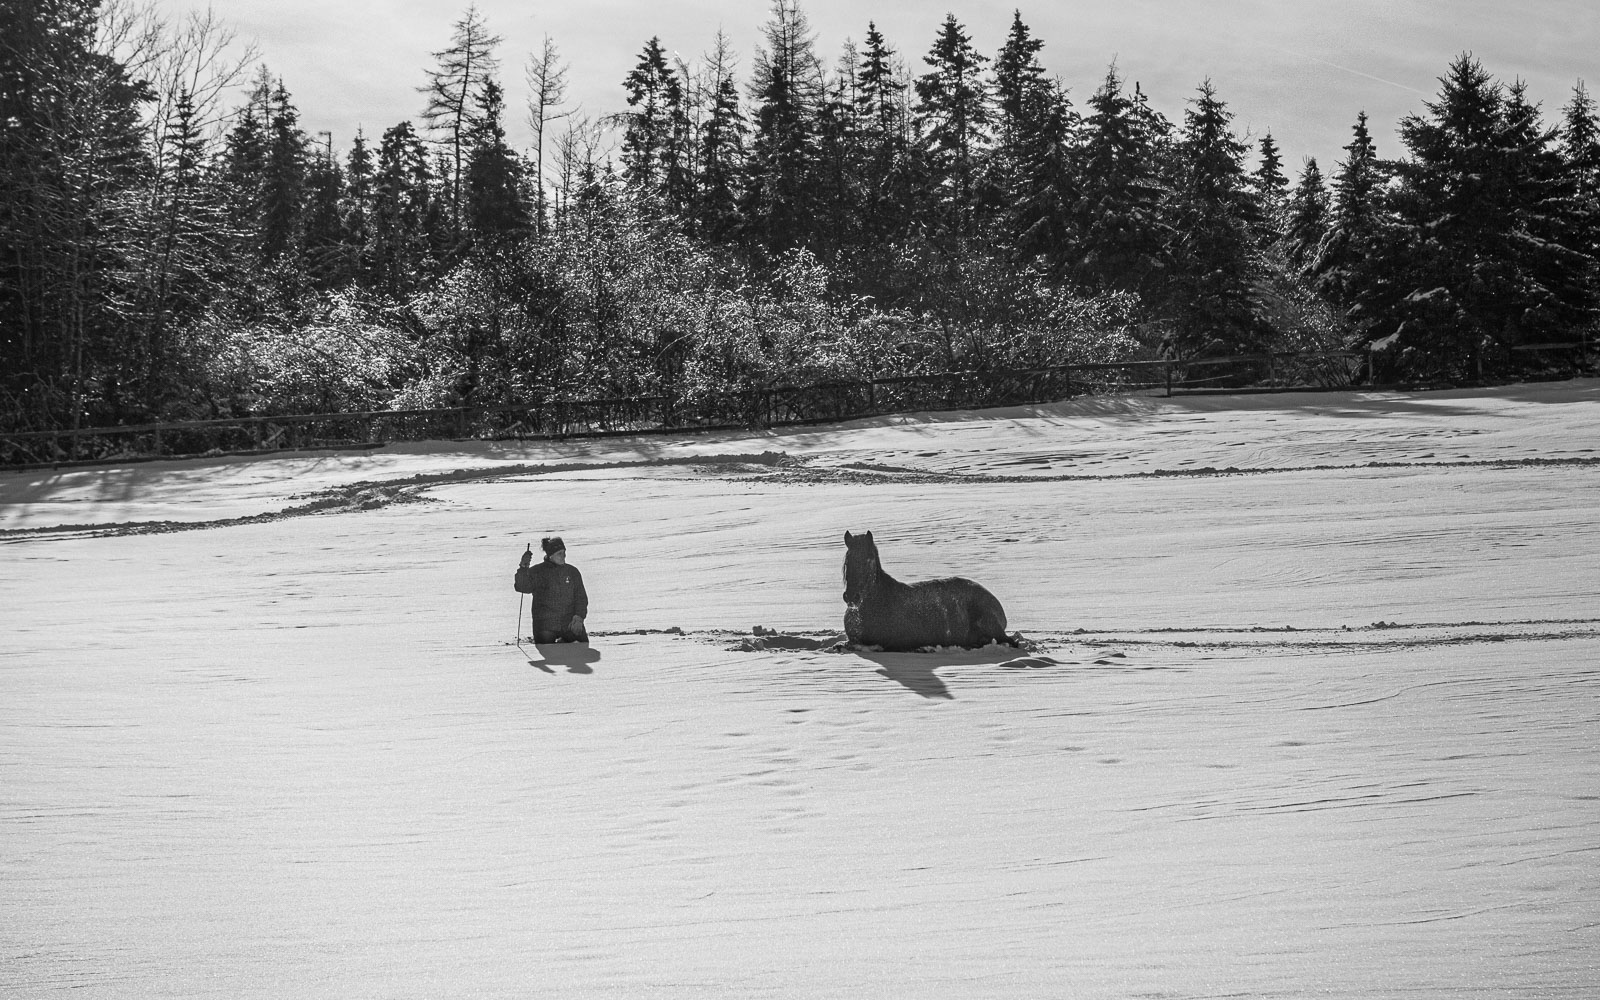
(869,536)
(849,539)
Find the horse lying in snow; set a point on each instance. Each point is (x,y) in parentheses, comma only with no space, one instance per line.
(881,611)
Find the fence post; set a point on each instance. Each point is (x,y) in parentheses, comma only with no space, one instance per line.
(1168,368)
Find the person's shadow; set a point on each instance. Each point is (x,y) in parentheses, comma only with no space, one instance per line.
(575,656)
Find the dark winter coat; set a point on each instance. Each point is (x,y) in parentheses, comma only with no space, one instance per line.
(557,592)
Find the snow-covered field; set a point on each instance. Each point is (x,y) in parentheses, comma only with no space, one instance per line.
(1330,728)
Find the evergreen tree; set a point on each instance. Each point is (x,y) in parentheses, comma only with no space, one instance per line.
(452,88)
(283,182)
(1580,141)
(1350,241)
(243,164)
(405,213)
(356,205)
(656,96)
(70,154)
(1019,82)
(953,109)
(836,178)
(721,160)
(1119,216)
(881,135)
(1032,175)
(1271,189)
(495,205)
(1489,258)
(330,257)
(1215,270)
(1042,189)
(778,205)
(1306,217)
(1580,165)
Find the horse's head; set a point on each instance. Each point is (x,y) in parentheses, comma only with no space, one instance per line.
(860,566)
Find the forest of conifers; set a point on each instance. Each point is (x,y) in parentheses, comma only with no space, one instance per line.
(173,245)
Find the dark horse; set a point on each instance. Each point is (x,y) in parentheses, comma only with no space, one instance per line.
(881,611)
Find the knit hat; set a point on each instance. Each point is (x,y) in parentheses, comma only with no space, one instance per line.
(552,544)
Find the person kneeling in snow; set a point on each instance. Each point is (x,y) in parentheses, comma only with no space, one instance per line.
(560,603)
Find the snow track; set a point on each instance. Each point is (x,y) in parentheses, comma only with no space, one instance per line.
(1328,732)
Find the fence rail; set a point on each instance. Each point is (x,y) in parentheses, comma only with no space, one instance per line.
(766,406)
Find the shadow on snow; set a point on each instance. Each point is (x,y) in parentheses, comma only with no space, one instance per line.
(575,656)
(915,671)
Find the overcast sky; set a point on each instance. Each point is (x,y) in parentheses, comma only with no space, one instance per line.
(1300,69)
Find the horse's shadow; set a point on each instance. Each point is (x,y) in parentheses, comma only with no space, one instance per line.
(915,671)
(575,656)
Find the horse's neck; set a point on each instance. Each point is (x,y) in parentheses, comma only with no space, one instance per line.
(882,581)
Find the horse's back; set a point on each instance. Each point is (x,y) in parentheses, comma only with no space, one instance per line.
(952,611)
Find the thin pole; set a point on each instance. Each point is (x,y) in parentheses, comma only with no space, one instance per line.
(520,596)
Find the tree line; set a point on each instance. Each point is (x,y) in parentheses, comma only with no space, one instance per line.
(166,256)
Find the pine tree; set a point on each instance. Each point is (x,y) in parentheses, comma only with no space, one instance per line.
(1119,216)
(878,91)
(1489,257)
(836,179)
(953,109)
(721,159)
(1032,174)
(243,168)
(1215,270)
(71,163)
(1580,141)
(881,132)
(330,257)
(1306,217)
(405,215)
(1580,164)
(283,183)
(452,87)
(356,205)
(778,204)
(1019,82)
(495,206)
(1350,239)
(1271,189)
(656,96)
(1044,185)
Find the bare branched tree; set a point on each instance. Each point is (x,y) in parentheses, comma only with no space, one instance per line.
(197,55)
(547,90)
(579,154)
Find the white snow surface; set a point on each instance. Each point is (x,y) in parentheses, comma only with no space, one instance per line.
(1314,713)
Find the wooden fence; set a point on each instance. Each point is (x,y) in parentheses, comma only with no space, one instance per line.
(768,406)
